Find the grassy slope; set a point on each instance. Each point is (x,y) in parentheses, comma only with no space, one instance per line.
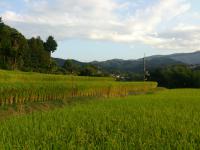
(168,119)
(18,76)
(20,87)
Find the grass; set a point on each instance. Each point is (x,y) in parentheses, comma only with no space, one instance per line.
(19,88)
(165,120)
(18,76)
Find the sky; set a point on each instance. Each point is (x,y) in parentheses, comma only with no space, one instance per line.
(88,30)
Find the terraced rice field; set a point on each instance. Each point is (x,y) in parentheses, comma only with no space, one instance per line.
(102,114)
(20,88)
(165,120)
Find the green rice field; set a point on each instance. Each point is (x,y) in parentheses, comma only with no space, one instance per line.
(20,88)
(158,119)
(165,120)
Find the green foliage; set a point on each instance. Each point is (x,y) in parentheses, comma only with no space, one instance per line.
(50,45)
(39,57)
(89,70)
(178,76)
(12,47)
(165,120)
(71,67)
(18,53)
(83,69)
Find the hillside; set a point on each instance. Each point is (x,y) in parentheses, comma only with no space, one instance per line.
(135,65)
(187,58)
(153,62)
(61,62)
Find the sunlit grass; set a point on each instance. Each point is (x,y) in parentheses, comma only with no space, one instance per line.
(166,120)
(18,87)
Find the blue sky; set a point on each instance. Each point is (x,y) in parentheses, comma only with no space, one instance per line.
(89,30)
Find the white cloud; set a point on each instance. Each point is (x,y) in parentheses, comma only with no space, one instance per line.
(108,20)
(183,37)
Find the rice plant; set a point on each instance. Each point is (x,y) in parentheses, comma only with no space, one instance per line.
(165,120)
(19,88)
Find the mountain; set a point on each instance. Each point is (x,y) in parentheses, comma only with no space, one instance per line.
(187,58)
(61,62)
(134,65)
(152,62)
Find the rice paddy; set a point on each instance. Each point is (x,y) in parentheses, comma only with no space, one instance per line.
(165,120)
(20,88)
(103,114)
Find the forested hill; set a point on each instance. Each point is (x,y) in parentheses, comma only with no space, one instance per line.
(152,62)
(17,52)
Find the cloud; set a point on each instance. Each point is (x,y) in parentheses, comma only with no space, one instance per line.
(183,37)
(108,20)
(68,16)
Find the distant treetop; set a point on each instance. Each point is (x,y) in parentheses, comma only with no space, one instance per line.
(1,21)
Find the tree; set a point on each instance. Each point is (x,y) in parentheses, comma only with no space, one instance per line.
(1,23)
(70,66)
(53,66)
(89,70)
(16,52)
(12,46)
(178,76)
(40,59)
(50,45)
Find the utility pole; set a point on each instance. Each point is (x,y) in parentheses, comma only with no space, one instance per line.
(146,73)
(144,67)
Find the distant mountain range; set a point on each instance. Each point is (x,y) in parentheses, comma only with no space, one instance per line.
(153,62)
(187,58)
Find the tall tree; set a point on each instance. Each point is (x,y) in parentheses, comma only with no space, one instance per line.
(50,45)
(39,56)
(16,52)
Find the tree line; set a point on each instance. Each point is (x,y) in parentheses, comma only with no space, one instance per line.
(177,76)
(34,54)
(83,69)
(171,76)
(17,52)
